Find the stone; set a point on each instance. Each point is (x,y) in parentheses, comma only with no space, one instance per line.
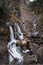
(33,47)
(35,34)
(31,59)
(40,54)
(2,47)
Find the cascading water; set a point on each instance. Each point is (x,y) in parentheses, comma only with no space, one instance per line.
(18,32)
(20,35)
(12,49)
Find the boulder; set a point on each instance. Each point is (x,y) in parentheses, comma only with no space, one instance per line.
(40,54)
(35,34)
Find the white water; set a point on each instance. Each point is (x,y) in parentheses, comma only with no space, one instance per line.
(32,0)
(26,51)
(12,49)
(19,33)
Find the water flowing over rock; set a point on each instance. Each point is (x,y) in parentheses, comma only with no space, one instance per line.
(18,31)
(12,49)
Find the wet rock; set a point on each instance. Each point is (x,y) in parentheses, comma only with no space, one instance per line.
(38,40)
(4,38)
(2,64)
(3,47)
(40,54)
(3,52)
(4,30)
(4,58)
(41,36)
(35,34)
(31,59)
(33,47)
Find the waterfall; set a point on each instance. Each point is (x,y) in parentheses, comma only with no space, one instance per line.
(12,49)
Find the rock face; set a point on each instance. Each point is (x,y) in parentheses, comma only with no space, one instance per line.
(4,37)
(19,12)
(40,54)
(33,47)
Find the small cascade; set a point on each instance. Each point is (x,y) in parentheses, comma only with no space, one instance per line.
(18,32)
(12,49)
(20,35)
